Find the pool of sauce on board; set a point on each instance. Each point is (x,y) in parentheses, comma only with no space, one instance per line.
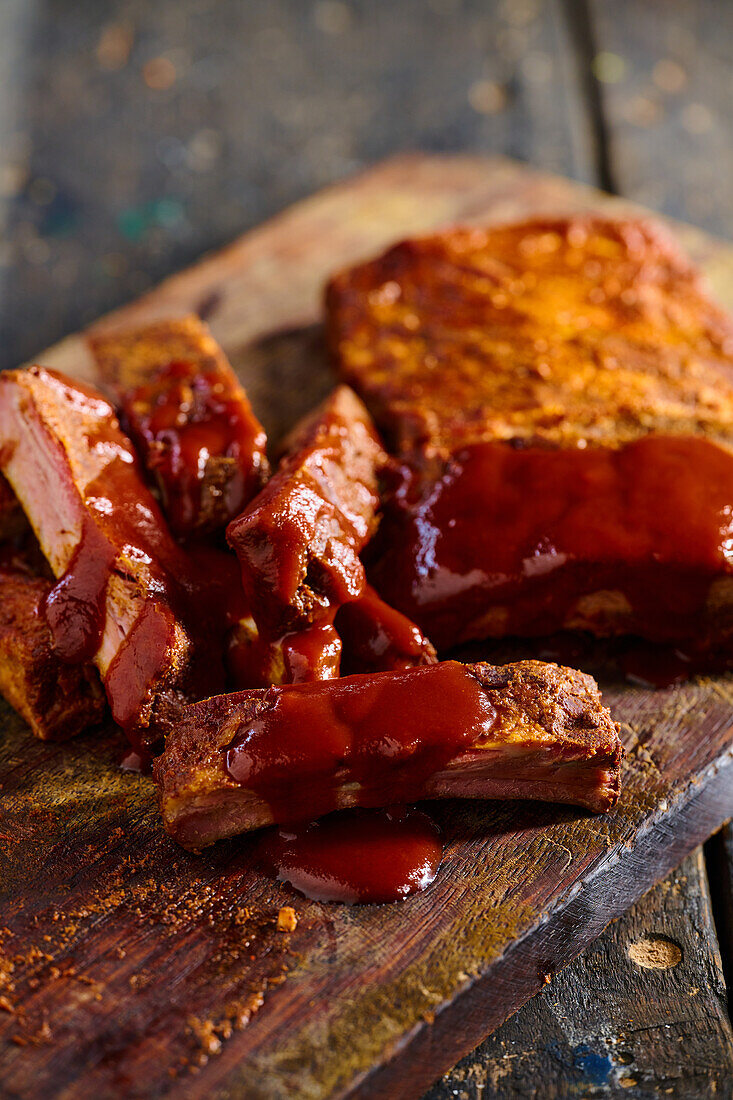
(356,856)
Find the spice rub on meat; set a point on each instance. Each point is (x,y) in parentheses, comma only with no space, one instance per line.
(561,395)
(298,542)
(527,730)
(120,593)
(190,419)
(580,330)
(56,699)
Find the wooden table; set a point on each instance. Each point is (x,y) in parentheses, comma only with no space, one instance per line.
(134,136)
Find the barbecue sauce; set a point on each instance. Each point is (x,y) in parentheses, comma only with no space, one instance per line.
(356,856)
(378,638)
(76,606)
(507,540)
(388,733)
(184,418)
(123,533)
(297,657)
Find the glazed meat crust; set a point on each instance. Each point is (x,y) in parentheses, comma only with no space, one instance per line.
(57,700)
(79,482)
(298,542)
(190,419)
(558,331)
(551,738)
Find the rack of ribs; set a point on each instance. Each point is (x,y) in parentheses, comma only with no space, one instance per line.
(560,396)
(189,418)
(528,730)
(122,598)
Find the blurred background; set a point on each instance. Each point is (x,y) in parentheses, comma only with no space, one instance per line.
(135,135)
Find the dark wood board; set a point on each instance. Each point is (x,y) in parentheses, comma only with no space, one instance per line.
(131,968)
(641,1013)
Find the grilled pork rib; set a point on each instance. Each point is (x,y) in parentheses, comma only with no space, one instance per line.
(298,542)
(561,393)
(119,571)
(56,699)
(190,419)
(527,730)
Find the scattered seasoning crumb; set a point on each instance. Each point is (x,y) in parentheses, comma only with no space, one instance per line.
(6,1006)
(287,919)
(206,1034)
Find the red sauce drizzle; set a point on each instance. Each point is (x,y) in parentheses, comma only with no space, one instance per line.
(388,733)
(76,607)
(120,524)
(377,638)
(356,856)
(313,653)
(185,415)
(529,531)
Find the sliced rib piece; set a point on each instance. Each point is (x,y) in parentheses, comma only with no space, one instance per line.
(561,393)
(56,699)
(298,542)
(560,331)
(120,573)
(377,638)
(527,730)
(190,419)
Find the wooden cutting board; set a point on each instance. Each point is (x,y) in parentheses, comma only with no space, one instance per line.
(131,968)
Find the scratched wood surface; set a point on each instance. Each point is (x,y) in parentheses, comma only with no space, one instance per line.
(130,967)
(641,1013)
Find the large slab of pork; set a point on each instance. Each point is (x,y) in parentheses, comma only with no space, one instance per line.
(527,730)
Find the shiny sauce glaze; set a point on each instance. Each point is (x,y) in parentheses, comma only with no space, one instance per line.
(184,418)
(507,539)
(299,541)
(378,638)
(123,533)
(356,856)
(387,734)
(297,657)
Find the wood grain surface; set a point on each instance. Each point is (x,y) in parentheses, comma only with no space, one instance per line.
(132,968)
(642,1012)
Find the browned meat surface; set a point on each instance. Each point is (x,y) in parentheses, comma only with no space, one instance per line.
(190,419)
(120,574)
(56,699)
(527,730)
(560,331)
(561,393)
(298,542)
